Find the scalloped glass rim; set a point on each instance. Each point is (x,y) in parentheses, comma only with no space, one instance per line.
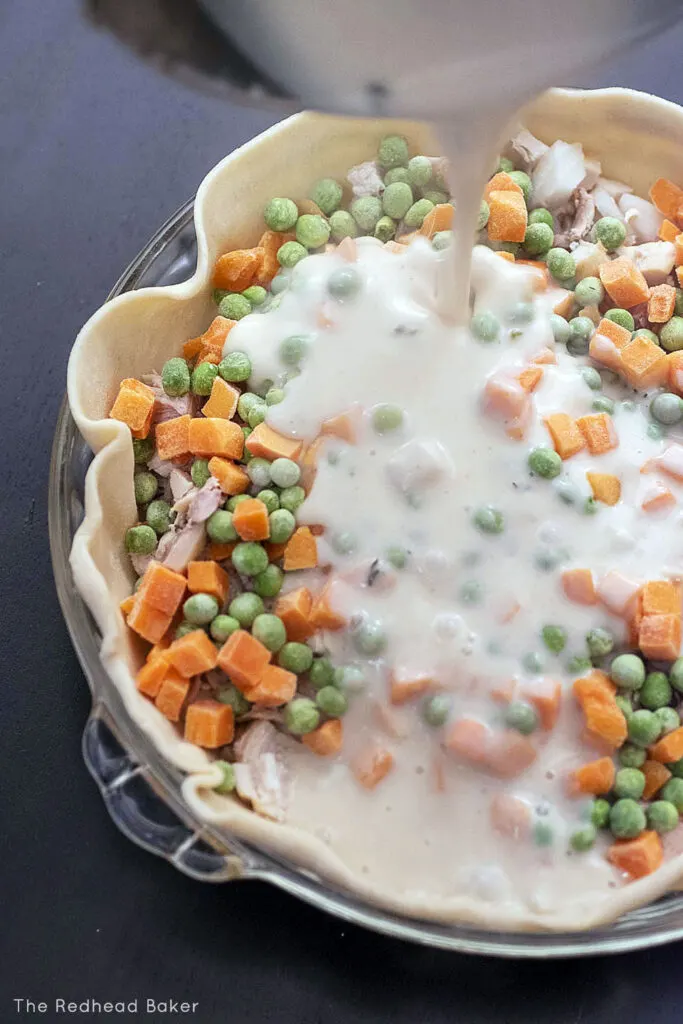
(142,791)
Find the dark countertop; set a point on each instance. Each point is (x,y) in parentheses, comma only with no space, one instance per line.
(97,150)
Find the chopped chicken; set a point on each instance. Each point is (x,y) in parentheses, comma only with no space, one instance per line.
(180,545)
(655,260)
(605,204)
(259,773)
(140,563)
(181,483)
(557,174)
(525,150)
(365,179)
(593,169)
(575,225)
(417,465)
(642,218)
(205,501)
(589,257)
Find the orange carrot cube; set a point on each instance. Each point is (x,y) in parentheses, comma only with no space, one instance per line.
(438,219)
(211,341)
(301,551)
(656,776)
(208,578)
(343,426)
(231,477)
(134,406)
(669,749)
(644,363)
(327,739)
(501,182)
(150,677)
(161,588)
(209,724)
(266,443)
(402,691)
(658,499)
(530,378)
(675,371)
(373,766)
(579,586)
(269,243)
(566,436)
(660,597)
(222,402)
(193,654)
(623,282)
(595,778)
(659,637)
(637,857)
(237,270)
(323,615)
(668,231)
(148,622)
(294,609)
(546,696)
(598,430)
(213,436)
(510,816)
(172,695)
(276,687)
(243,658)
(667,197)
(605,487)
(126,606)
(507,216)
(661,303)
(250,519)
(173,437)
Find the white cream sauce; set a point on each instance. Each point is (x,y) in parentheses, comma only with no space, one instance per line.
(418,488)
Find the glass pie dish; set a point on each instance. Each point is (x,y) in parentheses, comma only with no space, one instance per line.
(142,790)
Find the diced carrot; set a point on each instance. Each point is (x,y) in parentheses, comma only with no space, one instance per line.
(276,687)
(530,378)
(510,816)
(623,282)
(656,775)
(214,436)
(327,739)
(158,650)
(517,428)
(301,551)
(274,551)
(208,578)
(373,766)
(671,462)
(661,303)
(678,252)
(675,371)
(679,274)
(220,552)
(342,426)
(237,270)
(509,257)
(504,396)
(172,695)
(509,608)
(644,363)
(507,216)
(126,606)
(210,343)
(323,615)
(598,430)
(250,520)
(161,588)
(469,739)
(348,249)
(667,197)
(668,231)
(309,462)
(540,277)
(150,677)
(566,436)
(209,724)
(669,748)
(603,350)
(545,695)
(565,303)
(438,219)
(266,443)
(294,608)
(269,243)
(222,402)
(596,686)
(193,654)
(395,247)
(173,437)
(658,499)
(510,754)
(231,477)
(501,182)
(617,334)
(402,691)
(660,597)
(503,693)
(134,406)
(243,658)
(659,637)
(595,778)
(148,622)
(545,356)
(605,487)
(637,857)
(579,586)
(605,722)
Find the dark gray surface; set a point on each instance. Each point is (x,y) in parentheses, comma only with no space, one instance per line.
(96,151)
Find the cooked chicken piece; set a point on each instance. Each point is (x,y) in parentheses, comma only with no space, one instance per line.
(655,260)
(365,179)
(260,774)
(557,174)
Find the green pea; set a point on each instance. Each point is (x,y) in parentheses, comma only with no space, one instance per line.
(269,499)
(541,216)
(386,418)
(662,816)
(628,671)
(235,501)
(301,716)
(393,151)
(489,519)
(626,819)
(349,678)
(397,200)
(246,403)
(675,767)
(655,431)
(269,582)
(145,486)
(532,662)
(668,719)
(228,781)
(294,348)
(222,627)
(603,404)
(235,367)
(522,179)
(548,559)
(643,728)
(255,295)
(621,317)
(671,335)
(578,664)
(630,783)
(580,330)
(420,171)
(396,174)
(143,449)
(560,328)
(258,471)
(321,674)
(538,238)
(200,609)
(417,213)
(280,214)
(589,291)
(522,313)
(183,629)
(274,396)
(543,834)
(545,462)
(327,194)
(436,709)
(599,642)
(282,525)
(158,516)
(312,230)
(667,409)
(600,811)
(656,691)
(623,702)
(200,472)
(292,498)
(471,592)
(249,558)
(676,675)
(631,756)
(234,307)
(611,232)
(245,607)
(484,213)
(332,701)
(396,556)
(442,240)
(369,638)
(555,638)
(290,253)
(505,165)
(485,326)
(366,211)
(521,716)
(591,377)
(257,413)
(219,527)
(175,377)
(141,540)
(270,631)
(342,225)
(295,657)
(673,792)
(583,838)
(218,294)
(561,264)
(284,472)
